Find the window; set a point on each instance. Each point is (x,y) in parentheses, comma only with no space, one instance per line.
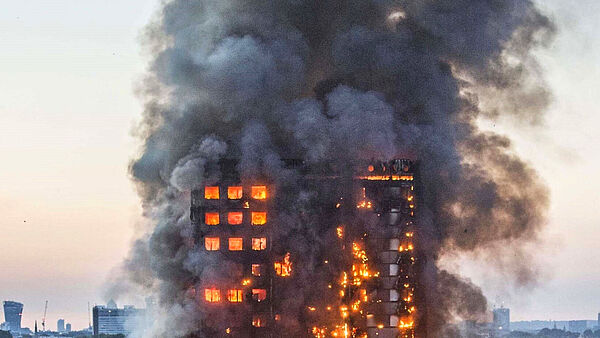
(211,193)
(235,218)
(212,295)
(259,243)
(259,321)
(259,218)
(259,192)
(234,295)
(235,244)
(256,270)
(212,243)
(234,193)
(211,218)
(259,294)
(284,268)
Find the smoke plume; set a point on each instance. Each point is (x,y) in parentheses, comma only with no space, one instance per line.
(333,81)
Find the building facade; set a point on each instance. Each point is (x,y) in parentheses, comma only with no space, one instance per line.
(60,325)
(501,321)
(13,311)
(377,289)
(112,320)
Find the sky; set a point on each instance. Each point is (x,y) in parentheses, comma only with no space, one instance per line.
(68,211)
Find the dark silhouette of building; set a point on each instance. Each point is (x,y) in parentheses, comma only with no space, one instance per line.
(13,311)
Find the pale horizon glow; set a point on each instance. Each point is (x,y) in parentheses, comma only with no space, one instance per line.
(69,210)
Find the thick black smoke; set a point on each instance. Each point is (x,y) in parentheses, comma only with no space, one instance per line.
(336,80)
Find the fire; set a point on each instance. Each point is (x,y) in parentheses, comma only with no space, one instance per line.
(211,218)
(234,193)
(211,193)
(259,192)
(340,232)
(235,218)
(259,218)
(284,269)
(236,244)
(234,295)
(212,295)
(259,243)
(364,203)
(246,282)
(387,177)
(212,243)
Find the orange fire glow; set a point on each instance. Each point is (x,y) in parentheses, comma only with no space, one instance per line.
(211,193)
(259,243)
(212,243)
(234,193)
(259,218)
(259,192)
(234,295)
(235,244)
(235,217)
(211,218)
(212,295)
(284,269)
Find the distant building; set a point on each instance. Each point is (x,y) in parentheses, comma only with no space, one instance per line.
(13,311)
(60,325)
(598,320)
(577,326)
(68,329)
(501,321)
(111,320)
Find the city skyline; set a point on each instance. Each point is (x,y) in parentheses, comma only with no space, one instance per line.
(70,211)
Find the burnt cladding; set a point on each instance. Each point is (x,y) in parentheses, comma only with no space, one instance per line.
(368,282)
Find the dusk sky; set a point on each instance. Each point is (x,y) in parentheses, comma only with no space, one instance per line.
(68,211)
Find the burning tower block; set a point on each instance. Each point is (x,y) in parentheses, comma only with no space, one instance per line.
(374,220)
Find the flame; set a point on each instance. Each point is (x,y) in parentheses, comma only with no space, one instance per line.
(234,193)
(211,218)
(340,232)
(258,192)
(284,268)
(211,193)
(235,218)
(259,218)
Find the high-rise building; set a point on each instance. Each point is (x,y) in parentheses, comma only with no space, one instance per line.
(68,328)
(112,320)
(60,325)
(234,219)
(13,311)
(501,321)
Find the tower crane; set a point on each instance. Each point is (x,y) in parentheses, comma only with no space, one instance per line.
(44,318)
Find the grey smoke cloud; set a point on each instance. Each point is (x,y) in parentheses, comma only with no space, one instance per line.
(327,81)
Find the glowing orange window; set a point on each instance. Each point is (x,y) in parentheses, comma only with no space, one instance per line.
(259,192)
(235,217)
(211,218)
(212,295)
(256,270)
(234,295)
(259,243)
(259,218)
(259,294)
(236,244)
(212,243)
(284,268)
(259,321)
(234,193)
(211,193)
